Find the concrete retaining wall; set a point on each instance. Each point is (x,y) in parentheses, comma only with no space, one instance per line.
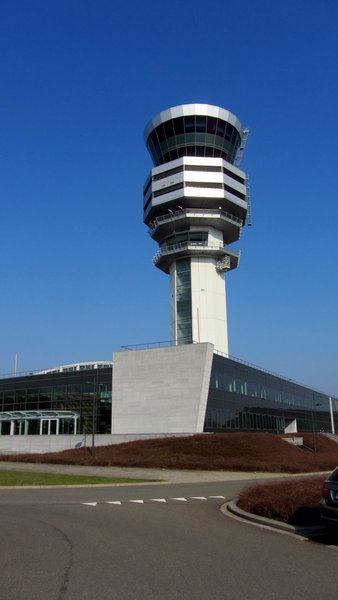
(25,444)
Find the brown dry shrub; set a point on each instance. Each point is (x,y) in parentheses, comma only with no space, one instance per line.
(225,451)
(294,501)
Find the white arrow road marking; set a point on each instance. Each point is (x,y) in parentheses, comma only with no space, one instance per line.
(198,497)
(118,502)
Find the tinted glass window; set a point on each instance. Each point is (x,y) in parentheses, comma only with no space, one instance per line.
(220,127)
(211,125)
(173,154)
(168,128)
(160,133)
(183,301)
(228,131)
(201,124)
(179,126)
(190,151)
(200,150)
(189,123)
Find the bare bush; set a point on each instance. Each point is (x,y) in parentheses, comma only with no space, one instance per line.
(240,451)
(294,501)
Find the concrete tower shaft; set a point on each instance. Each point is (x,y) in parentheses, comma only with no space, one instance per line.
(195,205)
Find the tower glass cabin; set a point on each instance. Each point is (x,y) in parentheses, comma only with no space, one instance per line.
(195,205)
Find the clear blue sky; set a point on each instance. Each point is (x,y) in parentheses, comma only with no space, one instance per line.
(79,81)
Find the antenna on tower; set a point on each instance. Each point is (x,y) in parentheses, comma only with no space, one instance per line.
(239,156)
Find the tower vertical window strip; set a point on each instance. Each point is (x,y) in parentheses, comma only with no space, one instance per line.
(183,301)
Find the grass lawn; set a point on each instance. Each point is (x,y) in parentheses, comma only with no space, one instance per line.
(24,478)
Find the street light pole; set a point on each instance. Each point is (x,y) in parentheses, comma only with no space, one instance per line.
(314,433)
(93,419)
(313,426)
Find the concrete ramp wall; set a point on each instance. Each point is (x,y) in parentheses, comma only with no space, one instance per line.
(28,444)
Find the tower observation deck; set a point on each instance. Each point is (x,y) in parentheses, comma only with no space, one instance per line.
(195,205)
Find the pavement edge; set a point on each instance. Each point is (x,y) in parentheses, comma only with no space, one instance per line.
(232,508)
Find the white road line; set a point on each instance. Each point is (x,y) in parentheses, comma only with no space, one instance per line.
(198,497)
(90,503)
(158,499)
(136,501)
(114,502)
(217,497)
(180,499)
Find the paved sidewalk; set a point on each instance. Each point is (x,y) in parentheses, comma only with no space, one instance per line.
(165,475)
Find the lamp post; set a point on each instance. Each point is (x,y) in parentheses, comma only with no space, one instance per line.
(92,450)
(95,386)
(313,426)
(93,419)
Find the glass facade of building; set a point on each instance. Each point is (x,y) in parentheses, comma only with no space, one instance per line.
(183,301)
(74,391)
(242,397)
(193,135)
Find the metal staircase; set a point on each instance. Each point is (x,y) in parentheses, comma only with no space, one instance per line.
(239,156)
(248,200)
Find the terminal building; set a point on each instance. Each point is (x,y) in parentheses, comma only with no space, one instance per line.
(196,201)
(175,390)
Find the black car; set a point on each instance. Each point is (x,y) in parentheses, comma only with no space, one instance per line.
(329,500)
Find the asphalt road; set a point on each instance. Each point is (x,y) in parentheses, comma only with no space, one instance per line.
(176,544)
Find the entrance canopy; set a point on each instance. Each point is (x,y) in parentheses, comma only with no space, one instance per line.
(24,415)
(38,422)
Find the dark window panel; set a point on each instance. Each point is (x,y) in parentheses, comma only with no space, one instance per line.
(189,124)
(220,128)
(179,126)
(211,125)
(173,154)
(181,151)
(228,131)
(201,124)
(191,151)
(200,151)
(168,128)
(209,152)
(160,133)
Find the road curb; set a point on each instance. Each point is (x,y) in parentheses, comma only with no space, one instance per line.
(232,508)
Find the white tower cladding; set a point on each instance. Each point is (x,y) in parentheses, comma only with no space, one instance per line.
(195,204)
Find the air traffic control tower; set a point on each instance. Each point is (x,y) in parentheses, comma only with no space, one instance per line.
(195,205)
